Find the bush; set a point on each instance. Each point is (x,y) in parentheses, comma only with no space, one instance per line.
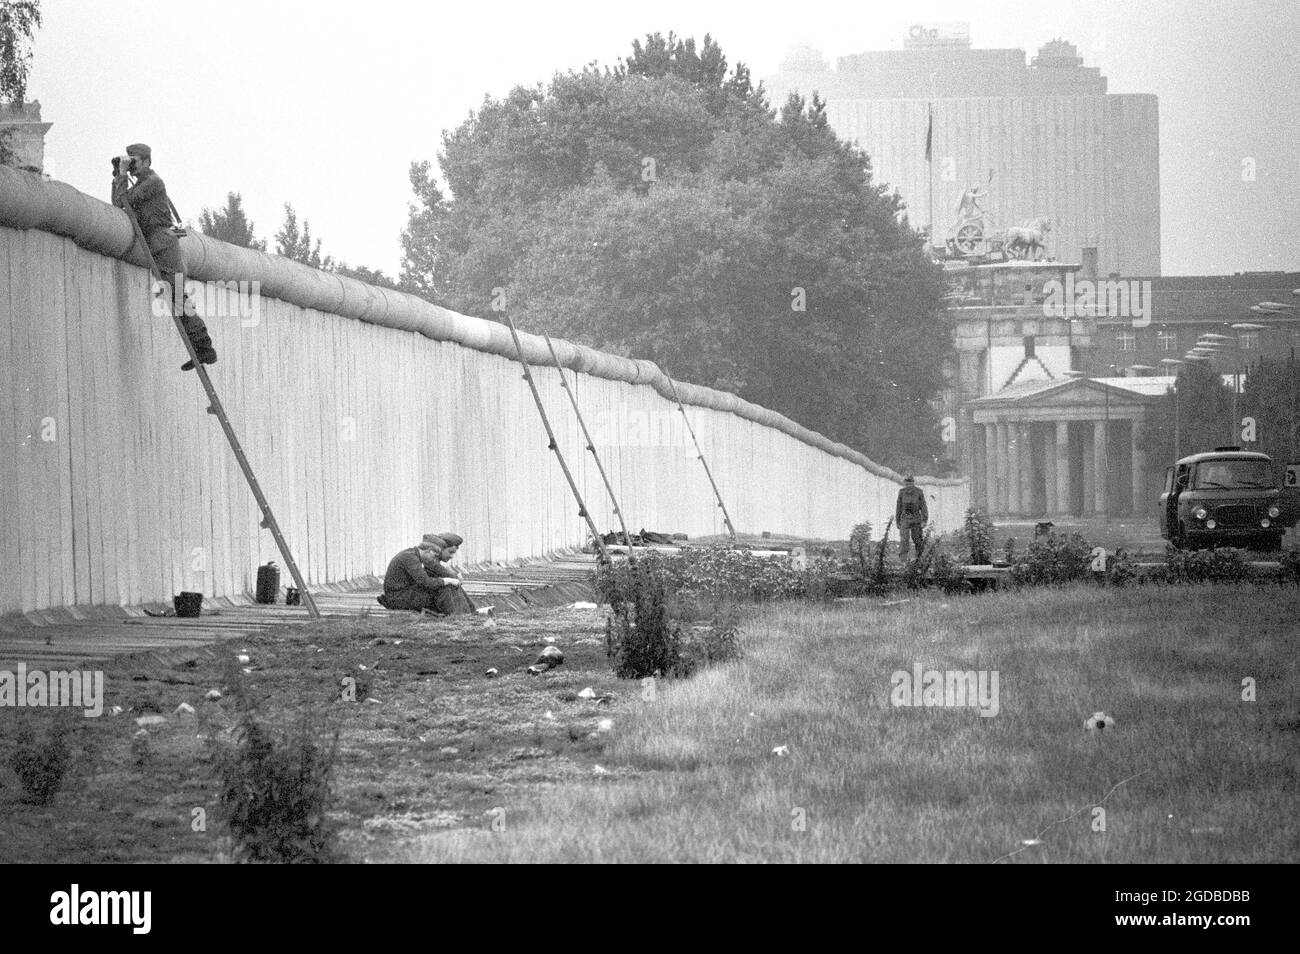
(979,531)
(860,547)
(655,601)
(275,791)
(946,573)
(1121,569)
(641,639)
(914,573)
(1052,559)
(708,645)
(40,764)
(1223,565)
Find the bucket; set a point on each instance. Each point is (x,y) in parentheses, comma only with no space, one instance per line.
(188,604)
(268,583)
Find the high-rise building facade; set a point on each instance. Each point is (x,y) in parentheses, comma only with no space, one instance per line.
(1039,140)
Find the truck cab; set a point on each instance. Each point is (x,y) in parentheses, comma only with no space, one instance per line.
(1224,497)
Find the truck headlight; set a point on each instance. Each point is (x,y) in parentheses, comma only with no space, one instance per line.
(1264,522)
(1199,513)
(1210,524)
(1274,512)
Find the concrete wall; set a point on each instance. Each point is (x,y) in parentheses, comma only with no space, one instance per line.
(369,418)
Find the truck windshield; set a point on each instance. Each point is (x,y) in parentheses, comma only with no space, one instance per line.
(1234,475)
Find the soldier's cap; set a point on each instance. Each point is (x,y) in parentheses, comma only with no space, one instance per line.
(432,541)
(909,479)
(140,150)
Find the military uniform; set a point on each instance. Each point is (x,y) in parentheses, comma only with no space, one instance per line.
(910,515)
(148,199)
(409,585)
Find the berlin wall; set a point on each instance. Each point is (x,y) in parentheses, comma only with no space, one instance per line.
(369,418)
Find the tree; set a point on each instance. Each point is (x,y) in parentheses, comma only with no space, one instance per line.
(18,24)
(662,210)
(1271,396)
(424,266)
(297,244)
(371,276)
(230,224)
(1203,413)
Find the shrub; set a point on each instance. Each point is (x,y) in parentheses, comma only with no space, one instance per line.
(1121,570)
(641,639)
(1052,559)
(40,764)
(979,531)
(1009,550)
(860,546)
(914,573)
(1223,565)
(946,573)
(708,645)
(275,791)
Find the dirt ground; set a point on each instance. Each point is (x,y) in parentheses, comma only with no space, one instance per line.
(431,743)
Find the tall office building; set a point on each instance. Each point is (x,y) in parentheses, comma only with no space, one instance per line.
(1044,139)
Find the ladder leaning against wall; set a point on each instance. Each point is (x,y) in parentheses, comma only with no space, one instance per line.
(216,409)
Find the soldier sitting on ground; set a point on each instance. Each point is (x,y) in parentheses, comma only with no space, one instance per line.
(450,599)
(410,585)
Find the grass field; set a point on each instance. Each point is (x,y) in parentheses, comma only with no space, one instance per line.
(447,765)
(1190,772)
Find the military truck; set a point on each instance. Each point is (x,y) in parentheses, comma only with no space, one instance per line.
(1224,497)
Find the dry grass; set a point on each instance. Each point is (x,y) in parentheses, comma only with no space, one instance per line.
(690,776)
(1202,776)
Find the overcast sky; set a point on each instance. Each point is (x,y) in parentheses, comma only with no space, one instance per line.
(325,105)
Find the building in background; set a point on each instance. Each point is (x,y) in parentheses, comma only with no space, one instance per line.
(1048,403)
(1043,139)
(25,134)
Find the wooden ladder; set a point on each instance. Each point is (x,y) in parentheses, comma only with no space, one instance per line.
(216,409)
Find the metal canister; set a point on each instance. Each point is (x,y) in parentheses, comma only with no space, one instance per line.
(268,582)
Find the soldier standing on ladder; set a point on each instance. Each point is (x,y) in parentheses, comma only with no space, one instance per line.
(148,198)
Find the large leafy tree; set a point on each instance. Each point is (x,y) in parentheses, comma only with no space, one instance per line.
(18,24)
(230,224)
(661,209)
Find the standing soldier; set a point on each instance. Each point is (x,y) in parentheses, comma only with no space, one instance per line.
(910,514)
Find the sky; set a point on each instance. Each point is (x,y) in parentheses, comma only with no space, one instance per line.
(325,105)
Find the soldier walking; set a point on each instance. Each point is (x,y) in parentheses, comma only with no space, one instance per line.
(910,515)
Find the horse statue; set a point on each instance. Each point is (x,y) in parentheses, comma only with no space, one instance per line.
(968,207)
(1027,241)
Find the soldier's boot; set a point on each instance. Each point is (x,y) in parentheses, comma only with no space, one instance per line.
(198,334)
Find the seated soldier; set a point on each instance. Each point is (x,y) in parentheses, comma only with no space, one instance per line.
(450,599)
(408,583)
